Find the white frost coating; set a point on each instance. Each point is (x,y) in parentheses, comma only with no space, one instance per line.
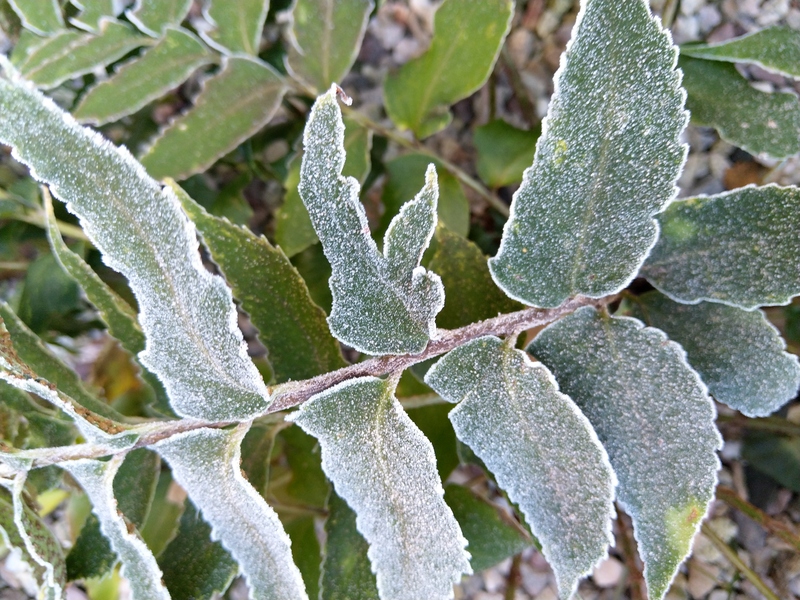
(205,462)
(652,413)
(193,342)
(540,447)
(382,304)
(35,15)
(385,468)
(607,161)
(739,354)
(138,563)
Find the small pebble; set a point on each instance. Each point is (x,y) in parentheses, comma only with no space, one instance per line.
(607,573)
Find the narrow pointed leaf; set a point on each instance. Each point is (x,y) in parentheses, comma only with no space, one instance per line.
(513,417)
(40,16)
(236,26)
(306,551)
(232,106)
(143,234)
(138,82)
(346,571)
(738,248)
(739,354)
(655,419)
(325,38)
(290,325)
(385,469)
(154,17)
(766,124)
(84,54)
(33,52)
(239,517)
(382,304)
(504,152)
(138,563)
(195,567)
(606,163)
(293,229)
(775,49)
(91,13)
(467,37)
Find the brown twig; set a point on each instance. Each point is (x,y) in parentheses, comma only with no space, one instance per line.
(782,530)
(514,577)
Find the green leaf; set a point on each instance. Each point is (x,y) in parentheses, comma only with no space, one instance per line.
(385,469)
(143,234)
(777,456)
(357,146)
(463,269)
(83,54)
(316,271)
(762,123)
(91,555)
(655,419)
(404,174)
(43,17)
(50,299)
(242,521)
(162,523)
(606,163)
(306,551)
(466,42)
(493,535)
(308,483)
(25,534)
(325,38)
(196,568)
(155,17)
(138,563)
(236,25)
(738,248)
(434,425)
(257,451)
(216,125)
(140,81)
(91,13)
(346,573)
(290,325)
(382,303)
(775,49)
(513,417)
(504,152)
(739,354)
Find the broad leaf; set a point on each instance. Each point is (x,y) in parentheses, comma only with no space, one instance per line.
(239,517)
(308,484)
(775,49)
(138,564)
(513,417)
(655,419)
(290,325)
(138,82)
(346,573)
(493,535)
(154,17)
(385,469)
(195,567)
(739,354)
(404,174)
(433,423)
(85,53)
(738,248)
(606,163)
(325,38)
(162,522)
(467,37)
(463,269)
(144,235)
(236,26)
(759,122)
(40,16)
(504,152)
(306,551)
(775,455)
(91,13)
(382,303)
(216,124)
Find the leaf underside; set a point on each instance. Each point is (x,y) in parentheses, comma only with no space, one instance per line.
(605,164)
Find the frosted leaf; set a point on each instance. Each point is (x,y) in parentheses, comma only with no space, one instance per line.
(739,354)
(138,563)
(205,462)
(655,419)
(194,344)
(385,468)
(605,164)
(43,17)
(739,248)
(382,304)
(32,50)
(153,17)
(511,414)
(236,26)
(91,13)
